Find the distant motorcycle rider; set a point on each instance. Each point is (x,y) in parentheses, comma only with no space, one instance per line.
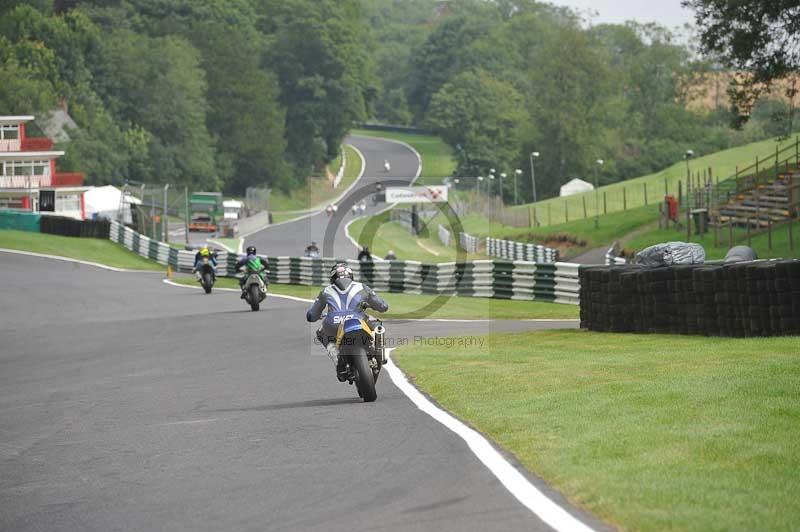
(253,264)
(198,260)
(341,296)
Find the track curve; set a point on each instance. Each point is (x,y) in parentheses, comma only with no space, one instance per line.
(129,404)
(291,238)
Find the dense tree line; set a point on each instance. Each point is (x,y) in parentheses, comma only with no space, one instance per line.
(225,95)
(500,79)
(214,94)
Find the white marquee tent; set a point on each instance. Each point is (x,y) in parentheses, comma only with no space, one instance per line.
(105,202)
(576,186)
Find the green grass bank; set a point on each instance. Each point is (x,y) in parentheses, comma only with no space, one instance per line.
(88,249)
(648,432)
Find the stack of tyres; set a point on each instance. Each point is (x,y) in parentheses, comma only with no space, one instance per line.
(787,295)
(590,296)
(746,299)
(704,282)
(632,304)
(685,319)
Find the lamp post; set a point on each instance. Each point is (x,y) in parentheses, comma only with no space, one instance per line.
(597,194)
(534,154)
(517,173)
(502,177)
(491,175)
(478,185)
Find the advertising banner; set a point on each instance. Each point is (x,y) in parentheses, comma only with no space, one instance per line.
(431,194)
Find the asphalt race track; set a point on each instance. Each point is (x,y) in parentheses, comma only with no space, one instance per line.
(129,404)
(291,239)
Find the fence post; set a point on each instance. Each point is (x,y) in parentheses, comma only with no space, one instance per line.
(566,210)
(769,233)
(716,235)
(680,192)
(605,210)
(584,206)
(624,200)
(748,232)
(730,234)
(645,194)
(549,219)
(666,187)
(688,225)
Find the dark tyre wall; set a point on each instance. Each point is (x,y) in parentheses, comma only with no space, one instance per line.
(56,225)
(759,298)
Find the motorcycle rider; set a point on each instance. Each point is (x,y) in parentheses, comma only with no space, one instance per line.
(311,249)
(198,260)
(253,263)
(342,295)
(364,255)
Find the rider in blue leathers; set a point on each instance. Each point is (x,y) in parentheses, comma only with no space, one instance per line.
(198,260)
(342,296)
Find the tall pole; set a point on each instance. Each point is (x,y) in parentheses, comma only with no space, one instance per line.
(502,177)
(186,215)
(164,219)
(533,175)
(517,173)
(597,194)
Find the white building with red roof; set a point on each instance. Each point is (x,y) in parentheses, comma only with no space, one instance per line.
(28,177)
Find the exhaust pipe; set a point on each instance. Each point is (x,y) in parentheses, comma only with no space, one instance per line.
(380,343)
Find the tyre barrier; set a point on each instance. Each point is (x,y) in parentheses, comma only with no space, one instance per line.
(511,250)
(498,279)
(758,298)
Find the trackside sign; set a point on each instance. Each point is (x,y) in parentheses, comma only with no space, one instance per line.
(432,194)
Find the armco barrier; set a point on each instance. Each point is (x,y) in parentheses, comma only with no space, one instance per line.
(511,250)
(758,298)
(469,243)
(444,236)
(61,225)
(479,278)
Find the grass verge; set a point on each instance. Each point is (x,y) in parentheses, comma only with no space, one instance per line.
(722,163)
(780,247)
(412,306)
(648,432)
(389,235)
(88,249)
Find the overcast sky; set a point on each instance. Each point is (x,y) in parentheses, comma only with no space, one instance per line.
(668,13)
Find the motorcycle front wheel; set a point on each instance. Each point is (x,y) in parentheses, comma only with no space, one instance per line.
(254,299)
(207,283)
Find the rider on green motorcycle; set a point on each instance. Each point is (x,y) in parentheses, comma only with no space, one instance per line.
(252,263)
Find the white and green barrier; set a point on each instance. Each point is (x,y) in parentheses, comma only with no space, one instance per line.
(511,250)
(499,279)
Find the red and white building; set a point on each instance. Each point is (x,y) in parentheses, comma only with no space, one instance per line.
(28,177)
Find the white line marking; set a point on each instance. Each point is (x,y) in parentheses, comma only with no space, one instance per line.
(69,259)
(426,248)
(514,481)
